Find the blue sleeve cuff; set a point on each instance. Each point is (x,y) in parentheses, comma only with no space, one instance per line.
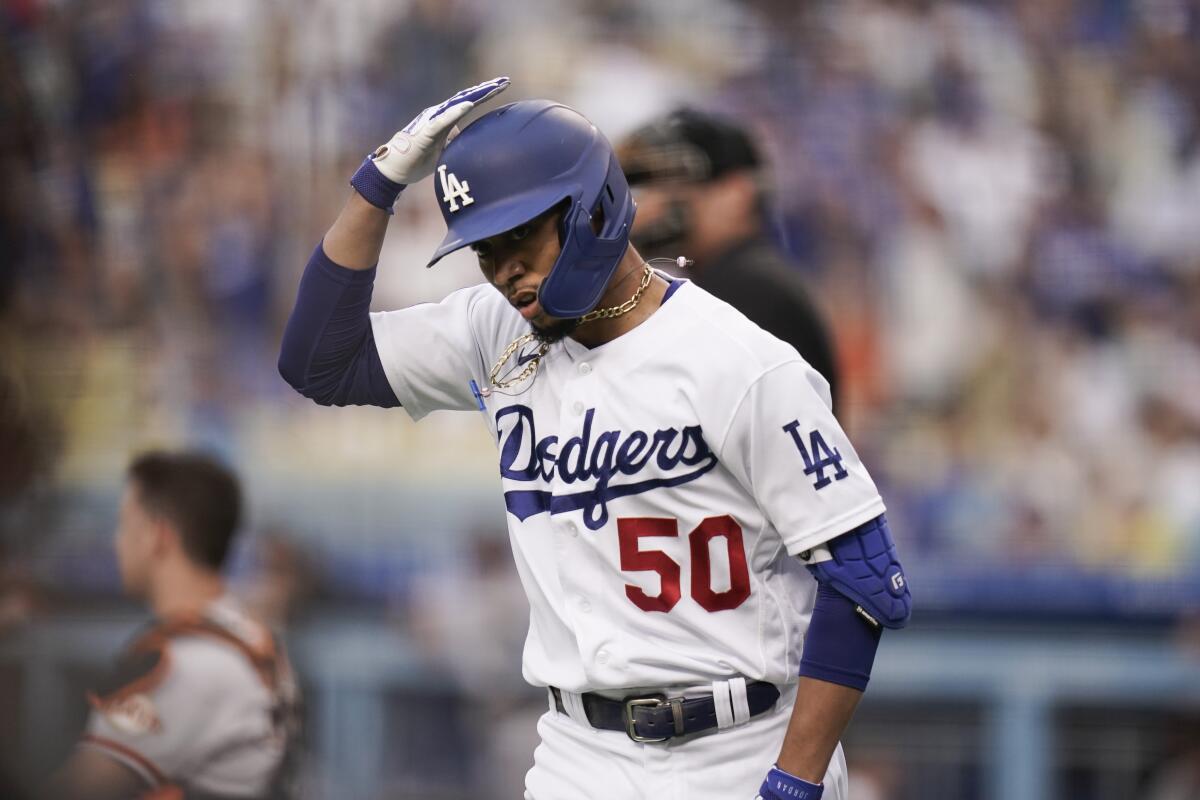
(840,645)
(376,189)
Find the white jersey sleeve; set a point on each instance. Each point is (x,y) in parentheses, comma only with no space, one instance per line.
(432,351)
(788,450)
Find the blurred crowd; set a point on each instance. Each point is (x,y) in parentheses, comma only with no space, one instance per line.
(996,204)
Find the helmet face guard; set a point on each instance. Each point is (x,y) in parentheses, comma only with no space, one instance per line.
(521,160)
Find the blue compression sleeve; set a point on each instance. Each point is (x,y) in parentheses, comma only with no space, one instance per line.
(328,351)
(840,645)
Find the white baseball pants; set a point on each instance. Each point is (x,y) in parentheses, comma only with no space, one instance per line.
(578,762)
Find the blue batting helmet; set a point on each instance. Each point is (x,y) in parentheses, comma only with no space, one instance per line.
(521,160)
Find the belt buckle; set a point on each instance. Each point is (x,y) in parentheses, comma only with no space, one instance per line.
(654,701)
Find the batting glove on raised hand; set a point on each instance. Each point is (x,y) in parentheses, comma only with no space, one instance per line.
(411,154)
(780,785)
(413,151)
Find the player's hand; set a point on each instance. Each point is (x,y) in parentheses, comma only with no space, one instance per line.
(412,152)
(780,785)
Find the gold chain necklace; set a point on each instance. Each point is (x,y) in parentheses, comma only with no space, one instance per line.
(624,308)
(536,359)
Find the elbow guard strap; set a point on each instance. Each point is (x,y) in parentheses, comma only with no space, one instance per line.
(864,567)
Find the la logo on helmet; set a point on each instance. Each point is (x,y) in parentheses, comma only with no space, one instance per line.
(454,190)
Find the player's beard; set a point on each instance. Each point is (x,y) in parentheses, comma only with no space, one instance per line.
(555,331)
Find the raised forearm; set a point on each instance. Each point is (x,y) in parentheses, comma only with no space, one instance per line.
(356,236)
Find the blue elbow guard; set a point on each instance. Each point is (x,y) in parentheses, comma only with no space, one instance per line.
(866,569)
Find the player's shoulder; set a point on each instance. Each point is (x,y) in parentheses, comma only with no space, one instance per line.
(141,666)
(221,648)
(172,670)
(717,331)
(228,643)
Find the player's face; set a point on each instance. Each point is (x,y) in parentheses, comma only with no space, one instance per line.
(517,261)
(134,543)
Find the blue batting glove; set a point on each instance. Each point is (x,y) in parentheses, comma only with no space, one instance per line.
(781,785)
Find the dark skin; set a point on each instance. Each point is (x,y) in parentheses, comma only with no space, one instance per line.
(515,263)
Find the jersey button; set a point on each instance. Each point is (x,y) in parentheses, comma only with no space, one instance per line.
(578,408)
(585,368)
(602,656)
(584,605)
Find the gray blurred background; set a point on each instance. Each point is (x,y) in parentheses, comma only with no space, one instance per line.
(996,205)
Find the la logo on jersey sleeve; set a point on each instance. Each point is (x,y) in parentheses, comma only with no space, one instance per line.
(818,456)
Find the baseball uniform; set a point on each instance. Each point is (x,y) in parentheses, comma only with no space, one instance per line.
(657,488)
(657,485)
(207,704)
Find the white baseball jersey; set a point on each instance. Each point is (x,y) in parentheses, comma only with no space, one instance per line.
(655,484)
(207,704)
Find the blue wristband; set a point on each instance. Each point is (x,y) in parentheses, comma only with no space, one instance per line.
(374,187)
(781,785)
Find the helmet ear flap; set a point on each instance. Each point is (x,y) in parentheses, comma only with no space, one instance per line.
(616,220)
(592,246)
(590,260)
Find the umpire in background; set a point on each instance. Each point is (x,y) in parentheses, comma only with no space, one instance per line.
(701,192)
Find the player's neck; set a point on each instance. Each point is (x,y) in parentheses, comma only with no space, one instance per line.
(621,288)
(180,589)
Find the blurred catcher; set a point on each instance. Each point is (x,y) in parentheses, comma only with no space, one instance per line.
(202,704)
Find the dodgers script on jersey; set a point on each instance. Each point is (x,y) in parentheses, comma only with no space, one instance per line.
(654,500)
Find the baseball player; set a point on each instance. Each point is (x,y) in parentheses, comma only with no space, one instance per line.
(707,562)
(202,703)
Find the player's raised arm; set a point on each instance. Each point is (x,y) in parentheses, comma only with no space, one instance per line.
(328,351)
